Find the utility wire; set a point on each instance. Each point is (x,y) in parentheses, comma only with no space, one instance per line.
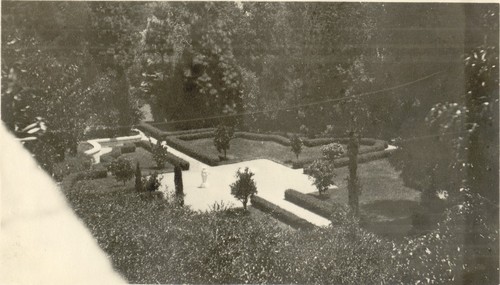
(359,95)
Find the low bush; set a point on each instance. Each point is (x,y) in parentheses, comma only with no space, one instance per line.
(324,209)
(128,148)
(198,154)
(109,157)
(196,136)
(97,172)
(280,214)
(71,164)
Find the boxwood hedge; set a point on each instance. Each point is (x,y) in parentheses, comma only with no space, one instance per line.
(280,214)
(324,209)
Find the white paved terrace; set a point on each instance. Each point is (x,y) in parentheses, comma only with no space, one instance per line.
(272,180)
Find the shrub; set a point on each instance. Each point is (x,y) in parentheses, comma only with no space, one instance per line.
(122,170)
(138,178)
(321,173)
(332,151)
(109,157)
(152,183)
(296,144)
(97,172)
(222,136)
(128,148)
(280,214)
(160,154)
(244,187)
(71,164)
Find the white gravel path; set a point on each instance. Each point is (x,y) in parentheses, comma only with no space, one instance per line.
(272,180)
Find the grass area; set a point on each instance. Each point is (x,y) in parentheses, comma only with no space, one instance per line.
(145,159)
(385,202)
(245,149)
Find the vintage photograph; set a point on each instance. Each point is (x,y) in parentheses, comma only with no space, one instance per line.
(249,142)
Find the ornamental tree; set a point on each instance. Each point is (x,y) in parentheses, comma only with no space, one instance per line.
(296,144)
(160,155)
(223,136)
(321,172)
(244,187)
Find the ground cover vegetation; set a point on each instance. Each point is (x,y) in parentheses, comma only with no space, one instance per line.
(77,68)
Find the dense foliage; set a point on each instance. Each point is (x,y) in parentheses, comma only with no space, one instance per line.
(160,154)
(174,245)
(122,170)
(222,138)
(296,144)
(244,186)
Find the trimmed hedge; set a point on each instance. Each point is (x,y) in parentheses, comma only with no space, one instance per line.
(128,148)
(280,214)
(344,161)
(324,209)
(175,160)
(151,131)
(196,153)
(263,137)
(111,156)
(196,136)
(157,133)
(108,132)
(145,145)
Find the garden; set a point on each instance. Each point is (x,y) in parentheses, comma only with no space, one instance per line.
(297,143)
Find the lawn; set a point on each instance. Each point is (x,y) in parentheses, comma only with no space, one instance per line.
(385,202)
(145,159)
(245,149)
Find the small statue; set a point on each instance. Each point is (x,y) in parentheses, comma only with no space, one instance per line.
(204,176)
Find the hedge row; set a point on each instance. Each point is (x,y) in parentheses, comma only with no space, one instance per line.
(196,136)
(263,137)
(324,209)
(111,156)
(171,158)
(128,148)
(344,161)
(280,214)
(96,173)
(151,131)
(160,134)
(196,153)
(108,132)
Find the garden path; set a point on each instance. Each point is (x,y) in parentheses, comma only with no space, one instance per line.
(272,180)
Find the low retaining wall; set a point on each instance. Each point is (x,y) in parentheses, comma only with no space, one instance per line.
(95,152)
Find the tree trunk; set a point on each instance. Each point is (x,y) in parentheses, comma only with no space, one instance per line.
(245,203)
(225,157)
(352,182)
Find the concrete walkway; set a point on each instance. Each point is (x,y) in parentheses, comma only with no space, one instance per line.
(272,180)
